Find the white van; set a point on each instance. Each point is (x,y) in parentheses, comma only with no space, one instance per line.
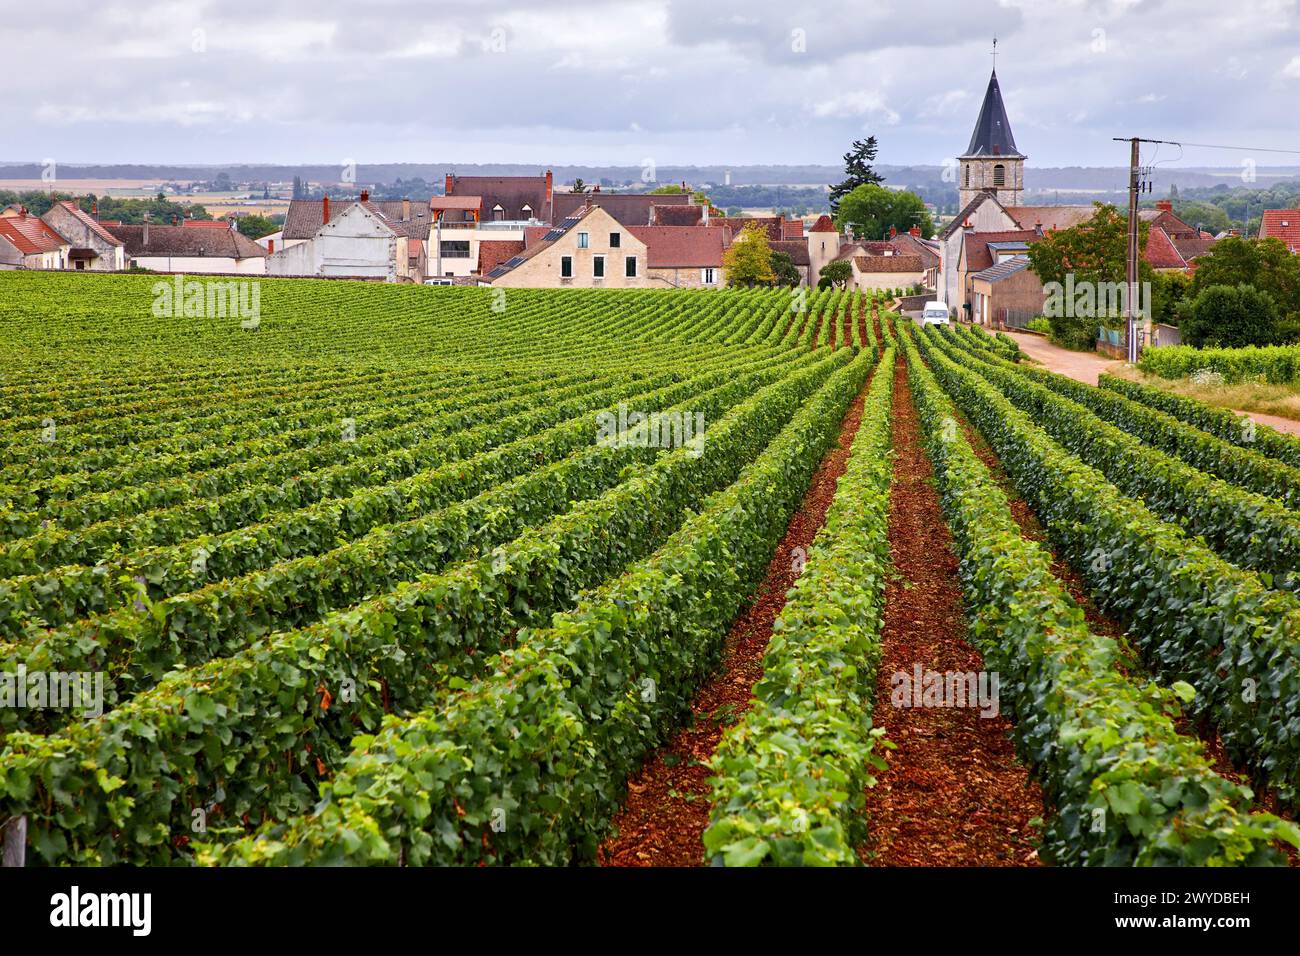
(936,313)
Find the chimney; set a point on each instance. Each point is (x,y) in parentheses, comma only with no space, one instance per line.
(270,247)
(406,210)
(915,232)
(146,229)
(893,232)
(1165,205)
(94,208)
(450,184)
(704,215)
(365,195)
(173,220)
(325,209)
(550,187)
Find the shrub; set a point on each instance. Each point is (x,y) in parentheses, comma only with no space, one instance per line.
(1225,316)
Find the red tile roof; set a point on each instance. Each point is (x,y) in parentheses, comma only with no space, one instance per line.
(30,235)
(796,249)
(1160,252)
(306,216)
(877,264)
(688,214)
(670,247)
(1051,217)
(630,209)
(824,224)
(978,256)
(511,193)
(184,241)
(492,254)
(772,225)
(1282,224)
(792,229)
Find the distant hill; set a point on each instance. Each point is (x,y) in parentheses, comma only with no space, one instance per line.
(1076,183)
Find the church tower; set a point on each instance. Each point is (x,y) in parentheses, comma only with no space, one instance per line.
(992,162)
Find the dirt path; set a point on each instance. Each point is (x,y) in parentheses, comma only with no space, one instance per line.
(667,810)
(1086,367)
(954,793)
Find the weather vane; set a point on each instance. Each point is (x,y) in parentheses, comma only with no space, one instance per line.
(995,54)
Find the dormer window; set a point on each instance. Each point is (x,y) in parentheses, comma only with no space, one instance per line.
(528,211)
(498,213)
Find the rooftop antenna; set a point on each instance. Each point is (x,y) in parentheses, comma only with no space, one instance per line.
(994,54)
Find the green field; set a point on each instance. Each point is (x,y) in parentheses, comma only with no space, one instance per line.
(406,575)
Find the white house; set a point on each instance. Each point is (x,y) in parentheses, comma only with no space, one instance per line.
(359,242)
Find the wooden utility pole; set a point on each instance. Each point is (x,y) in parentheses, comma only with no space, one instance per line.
(1130,301)
(1135,186)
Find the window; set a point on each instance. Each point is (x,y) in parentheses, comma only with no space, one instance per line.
(999,175)
(615,238)
(584,240)
(528,211)
(455,249)
(968,174)
(498,213)
(566,267)
(709,276)
(629,267)
(598,266)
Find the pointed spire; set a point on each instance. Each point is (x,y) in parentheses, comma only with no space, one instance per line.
(992,136)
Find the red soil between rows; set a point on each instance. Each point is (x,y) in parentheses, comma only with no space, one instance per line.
(954,793)
(668,804)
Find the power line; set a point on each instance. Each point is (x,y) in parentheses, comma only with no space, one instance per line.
(1244,149)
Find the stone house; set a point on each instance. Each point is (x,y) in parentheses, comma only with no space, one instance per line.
(93,247)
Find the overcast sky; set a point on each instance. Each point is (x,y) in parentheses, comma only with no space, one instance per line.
(612,82)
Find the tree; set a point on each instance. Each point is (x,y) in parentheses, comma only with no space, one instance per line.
(858,167)
(873,210)
(748,261)
(1173,192)
(1084,263)
(255,227)
(786,272)
(578,186)
(297,187)
(1224,316)
(698,196)
(838,273)
(1265,264)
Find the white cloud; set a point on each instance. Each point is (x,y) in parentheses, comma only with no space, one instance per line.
(855,103)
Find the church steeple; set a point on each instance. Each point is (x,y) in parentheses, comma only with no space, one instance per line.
(992,136)
(992,163)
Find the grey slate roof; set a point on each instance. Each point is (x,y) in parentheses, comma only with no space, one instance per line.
(992,136)
(1003,269)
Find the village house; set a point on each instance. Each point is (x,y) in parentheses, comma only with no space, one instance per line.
(92,246)
(356,240)
(682,257)
(28,242)
(1282,224)
(480,221)
(193,247)
(306,216)
(590,249)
